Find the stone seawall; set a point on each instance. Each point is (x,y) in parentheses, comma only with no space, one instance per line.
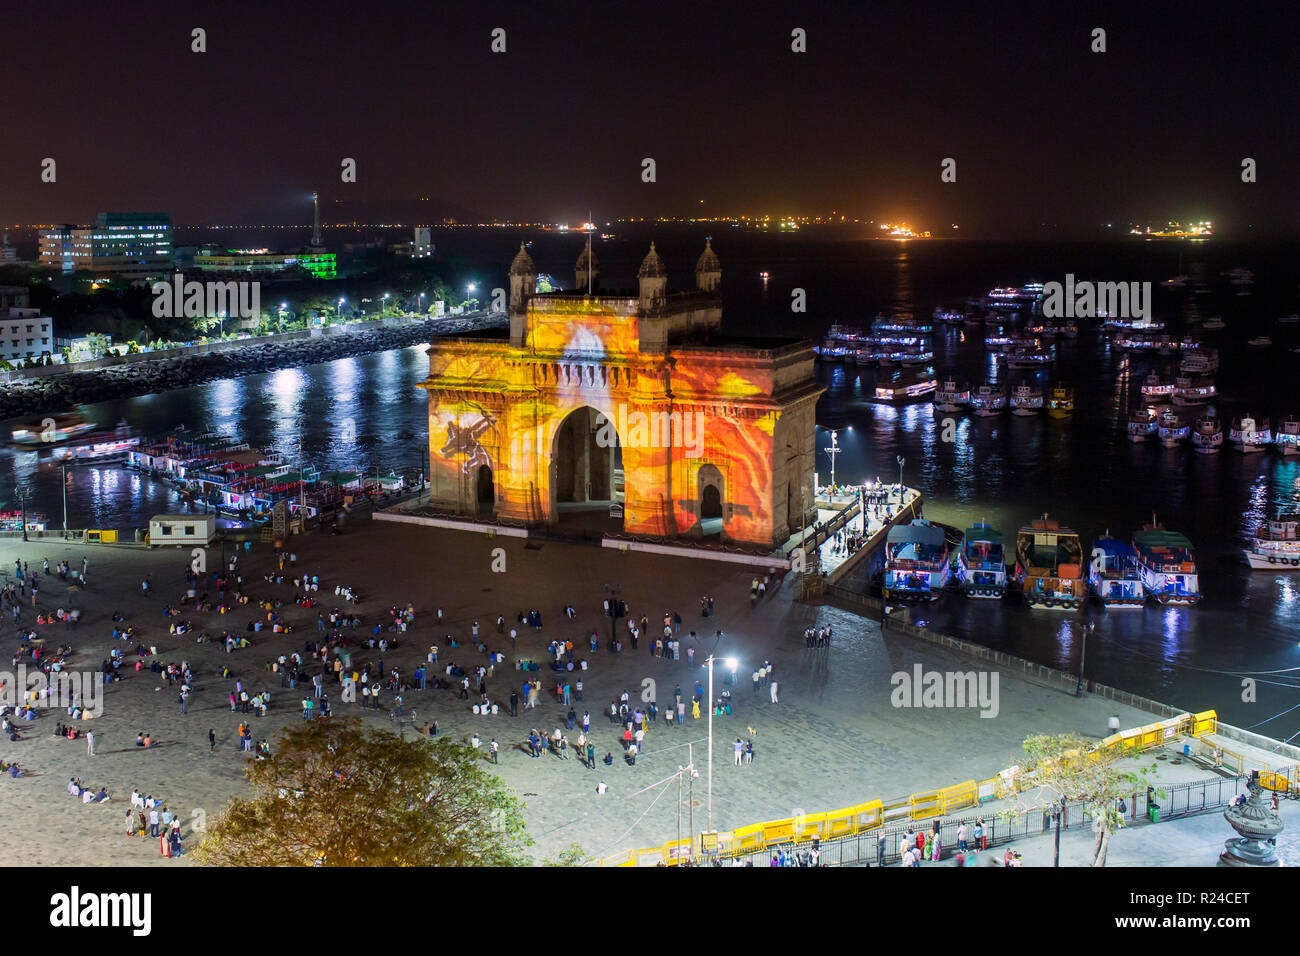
(149,374)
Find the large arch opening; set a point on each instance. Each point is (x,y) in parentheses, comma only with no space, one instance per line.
(710,492)
(587,472)
(485,491)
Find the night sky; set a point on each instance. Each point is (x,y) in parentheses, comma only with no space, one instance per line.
(1049,138)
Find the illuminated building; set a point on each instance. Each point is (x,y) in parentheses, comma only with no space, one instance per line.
(24,334)
(321,265)
(625,403)
(119,244)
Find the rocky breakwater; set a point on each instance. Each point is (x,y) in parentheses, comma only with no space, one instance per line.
(162,374)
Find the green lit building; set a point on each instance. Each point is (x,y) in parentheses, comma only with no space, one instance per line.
(321,265)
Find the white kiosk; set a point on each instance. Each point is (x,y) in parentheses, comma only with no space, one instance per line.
(181,530)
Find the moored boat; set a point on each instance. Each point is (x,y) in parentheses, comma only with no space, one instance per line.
(1172,428)
(951,396)
(1288,435)
(1114,574)
(988,400)
(1027,399)
(1061,402)
(1249,434)
(1275,546)
(904,385)
(1168,565)
(1142,424)
(1156,388)
(981,562)
(1049,565)
(1207,434)
(1198,390)
(917,562)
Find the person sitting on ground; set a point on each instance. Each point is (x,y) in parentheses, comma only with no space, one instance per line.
(139,739)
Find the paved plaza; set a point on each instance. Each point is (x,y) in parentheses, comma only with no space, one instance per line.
(834,739)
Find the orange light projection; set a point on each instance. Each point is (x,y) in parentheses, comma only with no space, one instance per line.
(624,405)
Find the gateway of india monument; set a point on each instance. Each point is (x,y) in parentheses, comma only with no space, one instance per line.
(599,405)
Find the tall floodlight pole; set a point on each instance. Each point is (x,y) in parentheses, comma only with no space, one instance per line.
(833,449)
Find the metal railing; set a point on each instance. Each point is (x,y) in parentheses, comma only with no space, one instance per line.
(1180,800)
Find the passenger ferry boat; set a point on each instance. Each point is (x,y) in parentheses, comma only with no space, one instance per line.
(1048,565)
(1156,389)
(843,341)
(1214,323)
(1039,357)
(917,562)
(1061,402)
(1142,424)
(50,430)
(1276,545)
(952,396)
(981,563)
(989,400)
(1260,342)
(1027,297)
(1194,391)
(904,385)
(902,323)
(1114,574)
(1288,435)
(1027,399)
(1207,435)
(1249,434)
(1168,565)
(1202,361)
(1172,428)
(944,317)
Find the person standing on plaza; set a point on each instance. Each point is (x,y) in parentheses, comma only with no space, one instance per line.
(880,847)
(739,747)
(90,743)
(591,755)
(773,689)
(493,747)
(212,740)
(690,656)
(681,710)
(961,837)
(514,703)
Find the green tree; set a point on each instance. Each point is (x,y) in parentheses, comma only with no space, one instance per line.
(1067,768)
(336,793)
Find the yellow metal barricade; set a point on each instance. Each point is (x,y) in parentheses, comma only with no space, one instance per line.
(108,537)
(1204,723)
(957,797)
(809,826)
(924,804)
(747,838)
(778,831)
(1271,780)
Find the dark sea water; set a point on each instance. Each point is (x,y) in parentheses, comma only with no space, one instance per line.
(366,413)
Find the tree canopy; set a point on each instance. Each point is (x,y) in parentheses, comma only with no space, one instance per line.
(336,793)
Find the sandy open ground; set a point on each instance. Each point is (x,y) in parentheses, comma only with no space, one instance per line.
(833,740)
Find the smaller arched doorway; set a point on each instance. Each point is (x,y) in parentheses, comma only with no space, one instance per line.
(486,490)
(709,497)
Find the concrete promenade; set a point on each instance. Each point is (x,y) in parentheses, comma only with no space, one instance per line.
(833,740)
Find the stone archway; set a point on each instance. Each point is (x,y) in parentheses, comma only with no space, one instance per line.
(710,493)
(485,490)
(586,468)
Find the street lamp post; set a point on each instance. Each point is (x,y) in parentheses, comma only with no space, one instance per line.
(731,663)
(902,495)
(339,314)
(1083,652)
(22,504)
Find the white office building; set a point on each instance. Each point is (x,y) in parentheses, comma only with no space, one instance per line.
(119,244)
(24,334)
